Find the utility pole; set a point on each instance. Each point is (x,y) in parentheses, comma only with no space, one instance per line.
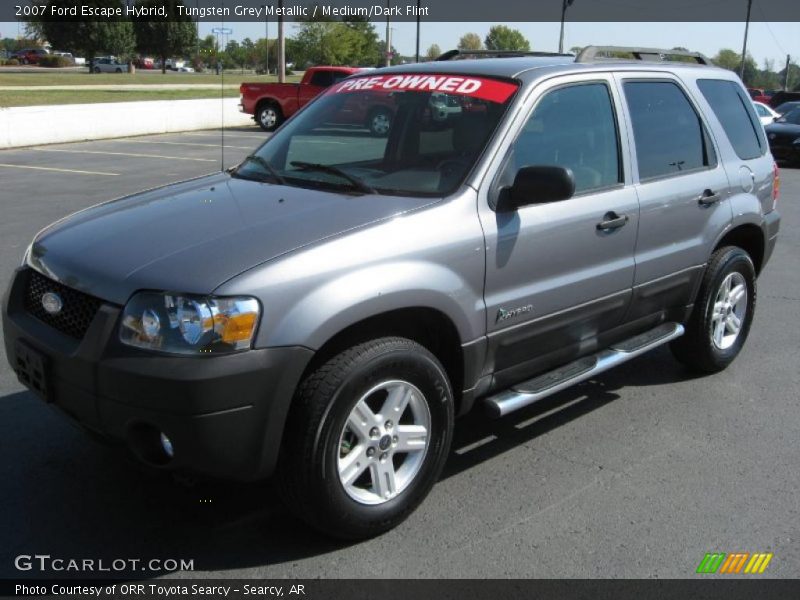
(388,38)
(281,46)
(746,31)
(418,19)
(786,74)
(564,5)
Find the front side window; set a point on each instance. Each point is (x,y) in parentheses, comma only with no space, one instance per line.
(572,127)
(322,78)
(730,105)
(399,134)
(669,135)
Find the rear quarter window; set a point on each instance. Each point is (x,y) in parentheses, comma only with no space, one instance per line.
(737,116)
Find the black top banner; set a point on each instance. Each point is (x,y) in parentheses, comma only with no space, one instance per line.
(407,10)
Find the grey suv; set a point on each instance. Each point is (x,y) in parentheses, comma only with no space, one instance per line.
(326,308)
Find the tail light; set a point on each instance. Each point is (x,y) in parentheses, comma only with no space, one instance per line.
(776,185)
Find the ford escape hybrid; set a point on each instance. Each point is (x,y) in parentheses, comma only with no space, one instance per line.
(324,310)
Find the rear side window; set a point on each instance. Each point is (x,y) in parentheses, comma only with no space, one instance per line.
(322,78)
(740,124)
(670,137)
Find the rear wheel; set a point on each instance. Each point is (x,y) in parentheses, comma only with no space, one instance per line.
(268,116)
(97,69)
(367,438)
(379,122)
(723,313)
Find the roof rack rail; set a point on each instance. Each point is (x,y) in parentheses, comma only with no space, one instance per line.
(451,54)
(595,53)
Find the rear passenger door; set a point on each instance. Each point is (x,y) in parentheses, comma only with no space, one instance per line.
(683,193)
(557,274)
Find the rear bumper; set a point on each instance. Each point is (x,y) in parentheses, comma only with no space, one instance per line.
(223,414)
(770,226)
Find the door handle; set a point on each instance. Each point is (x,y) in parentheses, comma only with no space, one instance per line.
(611,221)
(708,197)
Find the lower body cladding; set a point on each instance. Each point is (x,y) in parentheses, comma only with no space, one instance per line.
(216,415)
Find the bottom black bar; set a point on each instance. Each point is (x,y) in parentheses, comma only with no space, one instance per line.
(707,588)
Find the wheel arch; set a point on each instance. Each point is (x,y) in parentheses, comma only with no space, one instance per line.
(429,327)
(750,238)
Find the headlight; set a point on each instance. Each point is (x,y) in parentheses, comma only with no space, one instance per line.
(187,324)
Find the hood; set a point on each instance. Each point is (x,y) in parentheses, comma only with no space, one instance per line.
(193,236)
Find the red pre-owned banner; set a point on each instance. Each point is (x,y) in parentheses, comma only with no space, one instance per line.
(474,87)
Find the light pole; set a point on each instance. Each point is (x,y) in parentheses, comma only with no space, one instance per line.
(746,31)
(388,38)
(266,32)
(418,19)
(564,5)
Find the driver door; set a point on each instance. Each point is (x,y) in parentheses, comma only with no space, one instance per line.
(559,275)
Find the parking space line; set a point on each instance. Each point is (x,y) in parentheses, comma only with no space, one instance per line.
(227,134)
(10,166)
(131,154)
(184,144)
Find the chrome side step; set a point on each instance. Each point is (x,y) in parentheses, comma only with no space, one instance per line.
(526,393)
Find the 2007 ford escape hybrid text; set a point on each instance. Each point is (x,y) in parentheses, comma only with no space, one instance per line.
(325,309)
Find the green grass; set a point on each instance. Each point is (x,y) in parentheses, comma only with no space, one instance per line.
(37,98)
(49,77)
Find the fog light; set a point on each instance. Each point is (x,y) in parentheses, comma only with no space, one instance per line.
(166,444)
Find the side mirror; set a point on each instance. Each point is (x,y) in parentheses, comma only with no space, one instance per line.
(537,185)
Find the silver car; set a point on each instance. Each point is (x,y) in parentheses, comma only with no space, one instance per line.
(324,310)
(109,64)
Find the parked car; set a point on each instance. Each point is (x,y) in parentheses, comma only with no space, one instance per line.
(324,310)
(782,97)
(787,107)
(784,137)
(144,63)
(30,56)
(272,103)
(759,95)
(109,64)
(185,70)
(765,114)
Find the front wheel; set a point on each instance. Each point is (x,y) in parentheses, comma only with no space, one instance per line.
(723,313)
(367,437)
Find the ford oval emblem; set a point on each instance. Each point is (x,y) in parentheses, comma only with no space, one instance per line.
(52,303)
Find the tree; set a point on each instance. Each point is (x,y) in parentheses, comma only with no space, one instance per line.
(433,52)
(83,36)
(576,50)
(337,43)
(168,38)
(501,37)
(732,60)
(470,41)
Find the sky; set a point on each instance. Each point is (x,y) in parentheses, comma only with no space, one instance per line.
(771,41)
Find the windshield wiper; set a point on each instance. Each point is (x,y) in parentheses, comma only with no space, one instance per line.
(265,165)
(357,183)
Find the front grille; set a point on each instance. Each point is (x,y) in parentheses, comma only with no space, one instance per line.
(77,311)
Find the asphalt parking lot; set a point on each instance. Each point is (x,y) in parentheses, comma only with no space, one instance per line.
(638,473)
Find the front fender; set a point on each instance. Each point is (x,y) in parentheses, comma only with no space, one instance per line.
(365,293)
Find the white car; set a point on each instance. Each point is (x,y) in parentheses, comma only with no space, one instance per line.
(185,70)
(765,114)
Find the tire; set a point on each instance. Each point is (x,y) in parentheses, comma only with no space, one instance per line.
(710,343)
(118,71)
(268,116)
(379,122)
(97,69)
(314,466)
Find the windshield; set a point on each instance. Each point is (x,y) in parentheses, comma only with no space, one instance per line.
(404,134)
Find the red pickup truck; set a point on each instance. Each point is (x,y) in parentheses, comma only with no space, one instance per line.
(272,103)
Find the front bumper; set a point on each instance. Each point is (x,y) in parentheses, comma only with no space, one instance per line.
(223,414)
